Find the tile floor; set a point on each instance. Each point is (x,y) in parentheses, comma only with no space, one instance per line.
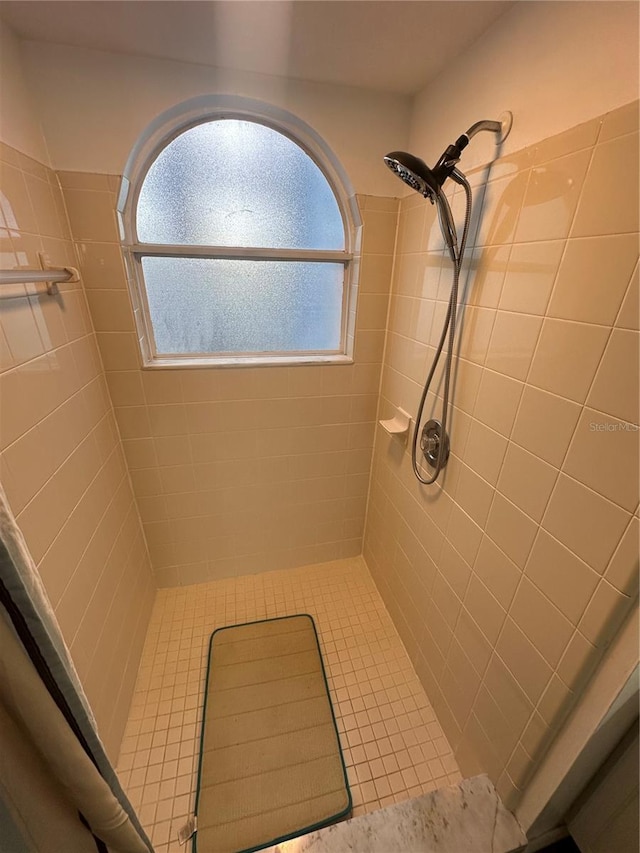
(393,745)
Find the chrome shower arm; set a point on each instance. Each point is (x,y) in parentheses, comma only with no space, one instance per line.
(486,124)
(501,128)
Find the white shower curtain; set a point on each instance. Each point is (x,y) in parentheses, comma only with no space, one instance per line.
(58,790)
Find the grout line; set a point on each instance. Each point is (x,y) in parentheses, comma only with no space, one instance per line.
(375,675)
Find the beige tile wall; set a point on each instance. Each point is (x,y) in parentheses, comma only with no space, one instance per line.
(238,470)
(508,579)
(61,461)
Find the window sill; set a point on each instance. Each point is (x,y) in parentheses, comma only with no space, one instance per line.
(244,361)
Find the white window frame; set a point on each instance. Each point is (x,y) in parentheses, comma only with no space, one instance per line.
(156,137)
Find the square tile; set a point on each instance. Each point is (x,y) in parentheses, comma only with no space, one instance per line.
(382,711)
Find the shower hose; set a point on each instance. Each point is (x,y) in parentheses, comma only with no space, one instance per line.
(457,257)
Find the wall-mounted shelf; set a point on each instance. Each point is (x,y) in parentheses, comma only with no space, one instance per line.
(398,425)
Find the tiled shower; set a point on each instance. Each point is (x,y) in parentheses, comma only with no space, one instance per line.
(63,468)
(159,504)
(507,584)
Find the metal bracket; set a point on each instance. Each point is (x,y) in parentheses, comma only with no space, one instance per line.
(52,286)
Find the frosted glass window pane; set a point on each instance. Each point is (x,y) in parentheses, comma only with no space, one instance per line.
(210,305)
(237,183)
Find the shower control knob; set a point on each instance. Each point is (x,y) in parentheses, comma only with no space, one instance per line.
(430,443)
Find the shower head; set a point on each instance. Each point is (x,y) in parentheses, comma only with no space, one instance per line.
(414,172)
(428,182)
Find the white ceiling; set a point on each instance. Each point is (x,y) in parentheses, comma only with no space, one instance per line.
(387,45)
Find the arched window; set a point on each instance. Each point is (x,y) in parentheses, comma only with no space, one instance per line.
(240,232)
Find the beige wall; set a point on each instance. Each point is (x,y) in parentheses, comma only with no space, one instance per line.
(61,461)
(553,65)
(109,100)
(508,579)
(238,470)
(20,126)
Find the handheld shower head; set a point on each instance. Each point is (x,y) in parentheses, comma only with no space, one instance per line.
(428,182)
(414,172)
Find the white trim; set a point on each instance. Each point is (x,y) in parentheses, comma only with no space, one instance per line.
(180,117)
(240,253)
(154,139)
(170,362)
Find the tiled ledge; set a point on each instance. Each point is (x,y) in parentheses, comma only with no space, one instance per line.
(469,816)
